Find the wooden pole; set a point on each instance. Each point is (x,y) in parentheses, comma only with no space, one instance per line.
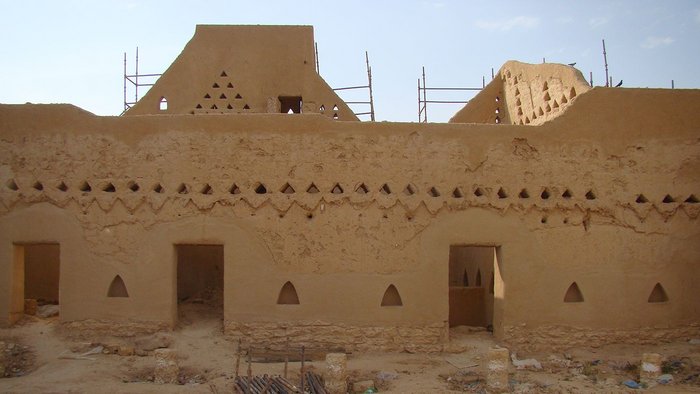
(302,369)
(605,58)
(286,357)
(238,356)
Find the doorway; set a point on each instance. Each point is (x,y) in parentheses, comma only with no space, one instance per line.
(200,282)
(472,272)
(36,276)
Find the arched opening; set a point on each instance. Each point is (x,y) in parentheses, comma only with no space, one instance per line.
(288,295)
(163,104)
(658,294)
(391,297)
(117,288)
(573,294)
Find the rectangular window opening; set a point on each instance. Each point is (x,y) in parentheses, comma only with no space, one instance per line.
(290,104)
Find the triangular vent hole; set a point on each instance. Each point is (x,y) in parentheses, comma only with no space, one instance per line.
(158,188)
(38,186)
(668,199)
(409,190)
(85,187)
(287,189)
(337,189)
(312,189)
(215,85)
(433,192)
(573,294)
(182,189)
(12,185)
(385,189)
(658,294)
(524,194)
(362,189)
(545,194)
(117,288)
(502,193)
(288,295)
(567,194)
(206,189)
(109,188)
(590,195)
(234,189)
(478,192)
(62,187)
(391,297)
(692,199)
(457,193)
(465,279)
(641,199)
(260,189)
(478,278)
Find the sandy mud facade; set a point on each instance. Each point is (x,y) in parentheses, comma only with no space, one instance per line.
(308,228)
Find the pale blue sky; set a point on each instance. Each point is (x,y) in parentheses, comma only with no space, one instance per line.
(71,51)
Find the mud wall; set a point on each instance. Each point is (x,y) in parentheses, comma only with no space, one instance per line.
(370,205)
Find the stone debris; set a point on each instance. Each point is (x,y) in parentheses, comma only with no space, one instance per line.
(497,371)
(665,378)
(363,385)
(650,369)
(167,369)
(528,363)
(126,351)
(46,311)
(152,342)
(15,359)
(336,373)
(30,306)
(631,384)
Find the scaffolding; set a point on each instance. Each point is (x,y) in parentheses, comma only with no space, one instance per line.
(132,80)
(370,101)
(423,100)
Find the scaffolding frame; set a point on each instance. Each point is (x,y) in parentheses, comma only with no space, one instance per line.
(133,80)
(423,95)
(370,102)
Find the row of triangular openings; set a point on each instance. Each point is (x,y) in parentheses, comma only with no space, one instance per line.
(409,190)
(658,294)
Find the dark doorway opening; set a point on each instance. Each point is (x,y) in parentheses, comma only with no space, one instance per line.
(472,302)
(36,274)
(200,282)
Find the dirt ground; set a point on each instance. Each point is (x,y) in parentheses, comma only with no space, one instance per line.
(40,358)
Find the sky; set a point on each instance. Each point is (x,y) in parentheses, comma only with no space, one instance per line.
(71,51)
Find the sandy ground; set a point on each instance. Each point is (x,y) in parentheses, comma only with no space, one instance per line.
(42,355)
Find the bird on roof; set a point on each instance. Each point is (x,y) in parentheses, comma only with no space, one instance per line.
(572,64)
(619,84)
